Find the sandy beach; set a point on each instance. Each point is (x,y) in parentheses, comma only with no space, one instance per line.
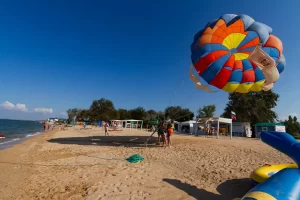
(84,164)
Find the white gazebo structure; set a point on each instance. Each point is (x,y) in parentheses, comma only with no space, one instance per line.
(189,124)
(119,122)
(131,123)
(218,120)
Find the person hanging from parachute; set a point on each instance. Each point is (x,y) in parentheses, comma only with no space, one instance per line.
(236,54)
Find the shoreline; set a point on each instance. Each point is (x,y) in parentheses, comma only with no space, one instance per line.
(15,141)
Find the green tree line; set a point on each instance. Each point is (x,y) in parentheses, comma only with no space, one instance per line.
(252,107)
(292,126)
(104,109)
(257,107)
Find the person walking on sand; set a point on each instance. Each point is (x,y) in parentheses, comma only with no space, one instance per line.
(106,129)
(170,129)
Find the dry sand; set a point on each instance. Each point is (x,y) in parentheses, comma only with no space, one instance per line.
(84,164)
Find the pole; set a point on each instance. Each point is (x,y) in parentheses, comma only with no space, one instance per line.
(231,130)
(218,127)
(146,142)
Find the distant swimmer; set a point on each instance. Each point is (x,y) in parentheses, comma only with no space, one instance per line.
(2,136)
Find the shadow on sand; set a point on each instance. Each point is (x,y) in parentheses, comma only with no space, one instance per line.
(235,188)
(127,141)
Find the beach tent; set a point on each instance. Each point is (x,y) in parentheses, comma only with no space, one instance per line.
(118,122)
(217,120)
(241,129)
(132,123)
(188,126)
(259,127)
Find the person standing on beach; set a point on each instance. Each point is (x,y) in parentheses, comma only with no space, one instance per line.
(170,129)
(106,129)
(46,126)
(44,122)
(160,132)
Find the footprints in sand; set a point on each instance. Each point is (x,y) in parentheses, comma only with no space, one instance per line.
(132,182)
(101,172)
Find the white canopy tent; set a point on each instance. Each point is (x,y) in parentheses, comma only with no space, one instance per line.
(119,122)
(131,122)
(189,123)
(218,120)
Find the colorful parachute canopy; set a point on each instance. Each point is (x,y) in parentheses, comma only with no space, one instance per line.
(220,54)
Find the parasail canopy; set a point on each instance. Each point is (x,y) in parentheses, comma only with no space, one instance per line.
(236,54)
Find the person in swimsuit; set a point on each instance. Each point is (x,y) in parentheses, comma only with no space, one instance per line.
(106,129)
(46,126)
(160,132)
(170,129)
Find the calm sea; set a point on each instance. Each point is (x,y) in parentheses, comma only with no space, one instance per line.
(16,131)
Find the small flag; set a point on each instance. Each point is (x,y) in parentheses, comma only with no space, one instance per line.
(233,116)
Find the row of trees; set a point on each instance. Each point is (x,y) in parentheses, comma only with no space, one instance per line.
(253,107)
(104,109)
(256,107)
(292,126)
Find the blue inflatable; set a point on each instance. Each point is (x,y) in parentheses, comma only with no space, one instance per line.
(284,185)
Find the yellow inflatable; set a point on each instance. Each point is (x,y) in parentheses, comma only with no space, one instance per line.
(263,173)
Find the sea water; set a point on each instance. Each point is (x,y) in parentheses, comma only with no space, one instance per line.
(16,131)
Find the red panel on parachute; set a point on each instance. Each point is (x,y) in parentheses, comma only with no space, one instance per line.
(221,79)
(204,62)
(248,76)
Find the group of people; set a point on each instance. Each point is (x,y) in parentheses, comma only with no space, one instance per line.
(48,126)
(165,131)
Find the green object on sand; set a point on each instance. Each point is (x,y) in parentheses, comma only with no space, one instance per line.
(135,158)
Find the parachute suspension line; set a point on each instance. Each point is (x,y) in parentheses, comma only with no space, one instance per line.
(173,94)
(206,89)
(184,104)
(181,116)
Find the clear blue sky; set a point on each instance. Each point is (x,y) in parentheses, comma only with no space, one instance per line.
(64,54)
